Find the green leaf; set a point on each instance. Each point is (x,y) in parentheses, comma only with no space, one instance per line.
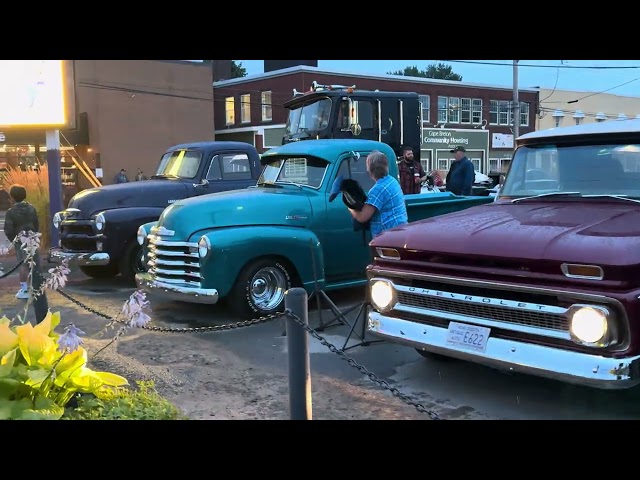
(8,387)
(6,363)
(36,376)
(46,409)
(12,409)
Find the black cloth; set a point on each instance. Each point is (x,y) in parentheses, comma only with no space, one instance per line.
(21,217)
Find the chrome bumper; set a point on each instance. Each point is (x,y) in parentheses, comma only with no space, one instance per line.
(168,291)
(56,255)
(584,369)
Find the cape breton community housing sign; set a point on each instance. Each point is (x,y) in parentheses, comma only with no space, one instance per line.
(446,138)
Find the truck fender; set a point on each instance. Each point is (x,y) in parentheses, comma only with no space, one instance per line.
(122,225)
(234,248)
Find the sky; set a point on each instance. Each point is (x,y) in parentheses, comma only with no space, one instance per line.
(562,74)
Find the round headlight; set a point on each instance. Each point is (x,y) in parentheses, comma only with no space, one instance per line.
(142,234)
(382,294)
(589,325)
(100,221)
(204,245)
(57,219)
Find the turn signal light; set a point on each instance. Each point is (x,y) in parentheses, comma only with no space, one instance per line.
(388,253)
(589,272)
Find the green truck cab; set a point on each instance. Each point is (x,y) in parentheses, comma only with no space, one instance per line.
(250,246)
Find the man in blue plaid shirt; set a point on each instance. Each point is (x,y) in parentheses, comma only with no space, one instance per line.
(385,205)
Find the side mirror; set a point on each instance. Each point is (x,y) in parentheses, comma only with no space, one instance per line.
(355,128)
(203,183)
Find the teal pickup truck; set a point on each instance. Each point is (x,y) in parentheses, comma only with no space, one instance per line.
(250,245)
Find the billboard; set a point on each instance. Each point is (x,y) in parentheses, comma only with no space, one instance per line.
(37,94)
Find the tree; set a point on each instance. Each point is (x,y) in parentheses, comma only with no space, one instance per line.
(237,70)
(441,71)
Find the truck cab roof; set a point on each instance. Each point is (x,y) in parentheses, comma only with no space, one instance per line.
(612,127)
(214,145)
(328,149)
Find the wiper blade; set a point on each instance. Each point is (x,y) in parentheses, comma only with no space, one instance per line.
(618,197)
(165,175)
(549,194)
(268,184)
(299,185)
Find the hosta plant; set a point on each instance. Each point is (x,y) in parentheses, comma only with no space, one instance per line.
(40,370)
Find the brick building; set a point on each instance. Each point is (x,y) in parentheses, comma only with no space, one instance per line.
(128,113)
(250,109)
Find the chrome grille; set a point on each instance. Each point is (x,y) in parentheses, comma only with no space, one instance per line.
(174,262)
(551,321)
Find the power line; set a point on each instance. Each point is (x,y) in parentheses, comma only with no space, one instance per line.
(603,91)
(578,67)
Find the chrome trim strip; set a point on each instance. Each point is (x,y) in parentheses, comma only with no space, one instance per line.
(88,259)
(172,263)
(477,300)
(155,241)
(162,272)
(565,270)
(153,251)
(168,291)
(578,368)
(516,327)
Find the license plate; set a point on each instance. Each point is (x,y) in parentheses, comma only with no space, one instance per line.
(469,337)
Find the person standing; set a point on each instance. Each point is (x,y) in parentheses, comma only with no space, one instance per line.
(22,216)
(385,206)
(140,176)
(411,173)
(122,176)
(461,174)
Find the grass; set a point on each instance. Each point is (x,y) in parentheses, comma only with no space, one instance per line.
(37,185)
(142,403)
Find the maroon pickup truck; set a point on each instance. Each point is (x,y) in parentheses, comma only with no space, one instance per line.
(543,281)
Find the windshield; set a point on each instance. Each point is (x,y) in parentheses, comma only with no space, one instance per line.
(584,169)
(309,118)
(307,171)
(181,163)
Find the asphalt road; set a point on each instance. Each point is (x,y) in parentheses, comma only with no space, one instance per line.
(455,389)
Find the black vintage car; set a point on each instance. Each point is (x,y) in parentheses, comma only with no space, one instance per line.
(98,228)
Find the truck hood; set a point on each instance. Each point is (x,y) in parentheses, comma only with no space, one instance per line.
(585,232)
(147,193)
(288,206)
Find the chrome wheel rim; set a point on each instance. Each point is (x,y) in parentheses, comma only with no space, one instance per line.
(267,288)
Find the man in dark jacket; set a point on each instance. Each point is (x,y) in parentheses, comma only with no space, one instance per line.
(22,216)
(461,174)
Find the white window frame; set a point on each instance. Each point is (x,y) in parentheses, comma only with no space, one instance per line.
(476,111)
(465,110)
(443,109)
(267,106)
(230,111)
(245,108)
(504,112)
(493,112)
(524,114)
(425,101)
(454,110)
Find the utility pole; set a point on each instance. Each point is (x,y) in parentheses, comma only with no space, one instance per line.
(515,117)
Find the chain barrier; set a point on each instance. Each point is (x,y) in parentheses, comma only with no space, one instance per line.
(372,376)
(13,269)
(153,328)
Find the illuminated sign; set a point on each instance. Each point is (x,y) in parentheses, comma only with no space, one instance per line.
(35,93)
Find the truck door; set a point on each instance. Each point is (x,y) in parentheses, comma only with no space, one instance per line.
(357,118)
(390,124)
(411,125)
(346,253)
(228,171)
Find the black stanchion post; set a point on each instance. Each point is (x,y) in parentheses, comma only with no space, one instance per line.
(40,303)
(296,301)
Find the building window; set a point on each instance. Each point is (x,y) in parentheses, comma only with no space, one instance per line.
(499,164)
(229,111)
(245,108)
(465,110)
(504,113)
(454,110)
(524,114)
(493,113)
(266,106)
(425,100)
(443,108)
(557,117)
(476,111)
